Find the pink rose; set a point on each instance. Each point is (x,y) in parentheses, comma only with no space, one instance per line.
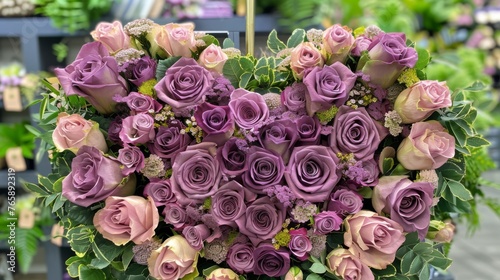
(73,132)
(124,219)
(419,101)
(173,260)
(213,58)
(137,129)
(408,203)
(300,245)
(304,56)
(222,274)
(428,146)
(177,39)
(111,35)
(248,108)
(372,238)
(348,266)
(361,44)
(337,43)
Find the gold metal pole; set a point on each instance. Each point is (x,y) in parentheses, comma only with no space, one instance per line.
(250,27)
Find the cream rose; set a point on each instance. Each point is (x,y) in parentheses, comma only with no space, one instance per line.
(73,132)
(222,274)
(213,58)
(344,264)
(177,39)
(112,36)
(304,56)
(173,260)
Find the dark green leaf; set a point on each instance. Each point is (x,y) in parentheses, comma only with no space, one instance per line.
(245,78)
(37,189)
(387,165)
(423,58)
(459,190)
(232,71)
(296,38)
(163,66)
(406,262)
(390,270)
(477,141)
(105,250)
(274,44)
(58,203)
(87,273)
(127,256)
(459,133)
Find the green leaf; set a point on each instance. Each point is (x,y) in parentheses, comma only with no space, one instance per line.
(227,43)
(58,184)
(79,239)
(390,270)
(406,261)
(476,86)
(424,57)
(459,190)
(105,250)
(477,141)
(87,273)
(416,266)
(33,130)
(387,165)
(425,272)
(45,182)
(210,39)
(59,202)
(209,270)
(458,132)
(163,66)
(127,256)
(232,70)
(245,78)
(27,246)
(37,189)
(274,44)
(246,64)
(314,276)
(296,38)
(73,263)
(43,106)
(451,170)
(318,268)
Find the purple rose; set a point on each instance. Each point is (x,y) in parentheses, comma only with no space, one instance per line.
(309,129)
(361,44)
(138,129)
(328,86)
(169,140)
(408,203)
(371,173)
(195,235)
(195,174)
(143,70)
(271,262)
(312,173)
(262,220)
(132,159)
(140,103)
(216,122)
(94,177)
(176,216)
(94,76)
(300,245)
(389,56)
(160,191)
(114,130)
(232,157)
(294,97)
(378,109)
(249,109)
(280,137)
(354,131)
(263,168)
(240,257)
(326,222)
(229,203)
(345,202)
(185,84)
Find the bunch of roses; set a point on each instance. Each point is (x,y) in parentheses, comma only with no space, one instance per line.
(256,182)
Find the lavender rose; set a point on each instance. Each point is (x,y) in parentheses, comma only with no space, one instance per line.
(195,235)
(94,76)
(123,219)
(361,44)
(389,56)
(229,203)
(132,159)
(176,216)
(304,56)
(169,140)
(419,101)
(160,191)
(196,174)
(248,108)
(408,203)
(217,122)
(111,35)
(326,222)
(140,103)
(294,97)
(143,70)
(428,146)
(337,43)
(232,157)
(309,129)
(114,130)
(347,266)
(94,177)
(271,262)
(262,220)
(328,86)
(354,131)
(280,137)
(185,84)
(173,260)
(73,132)
(240,257)
(312,173)
(300,245)
(345,201)
(372,238)
(137,129)
(263,168)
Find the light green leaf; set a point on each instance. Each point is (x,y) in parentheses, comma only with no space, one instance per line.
(274,44)
(296,38)
(37,189)
(459,190)
(318,268)
(232,70)
(477,141)
(246,64)
(227,43)
(416,265)
(406,262)
(424,57)
(209,270)
(314,276)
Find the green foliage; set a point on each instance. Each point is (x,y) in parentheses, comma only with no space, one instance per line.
(163,66)
(16,135)
(72,15)
(27,246)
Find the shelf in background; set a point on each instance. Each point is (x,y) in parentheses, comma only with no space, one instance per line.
(30,176)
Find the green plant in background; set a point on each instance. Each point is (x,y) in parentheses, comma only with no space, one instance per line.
(28,236)
(16,135)
(73,15)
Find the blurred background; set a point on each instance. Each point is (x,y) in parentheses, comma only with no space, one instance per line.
(36,36)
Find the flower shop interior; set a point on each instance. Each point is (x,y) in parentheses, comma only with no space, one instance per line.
(182,139)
